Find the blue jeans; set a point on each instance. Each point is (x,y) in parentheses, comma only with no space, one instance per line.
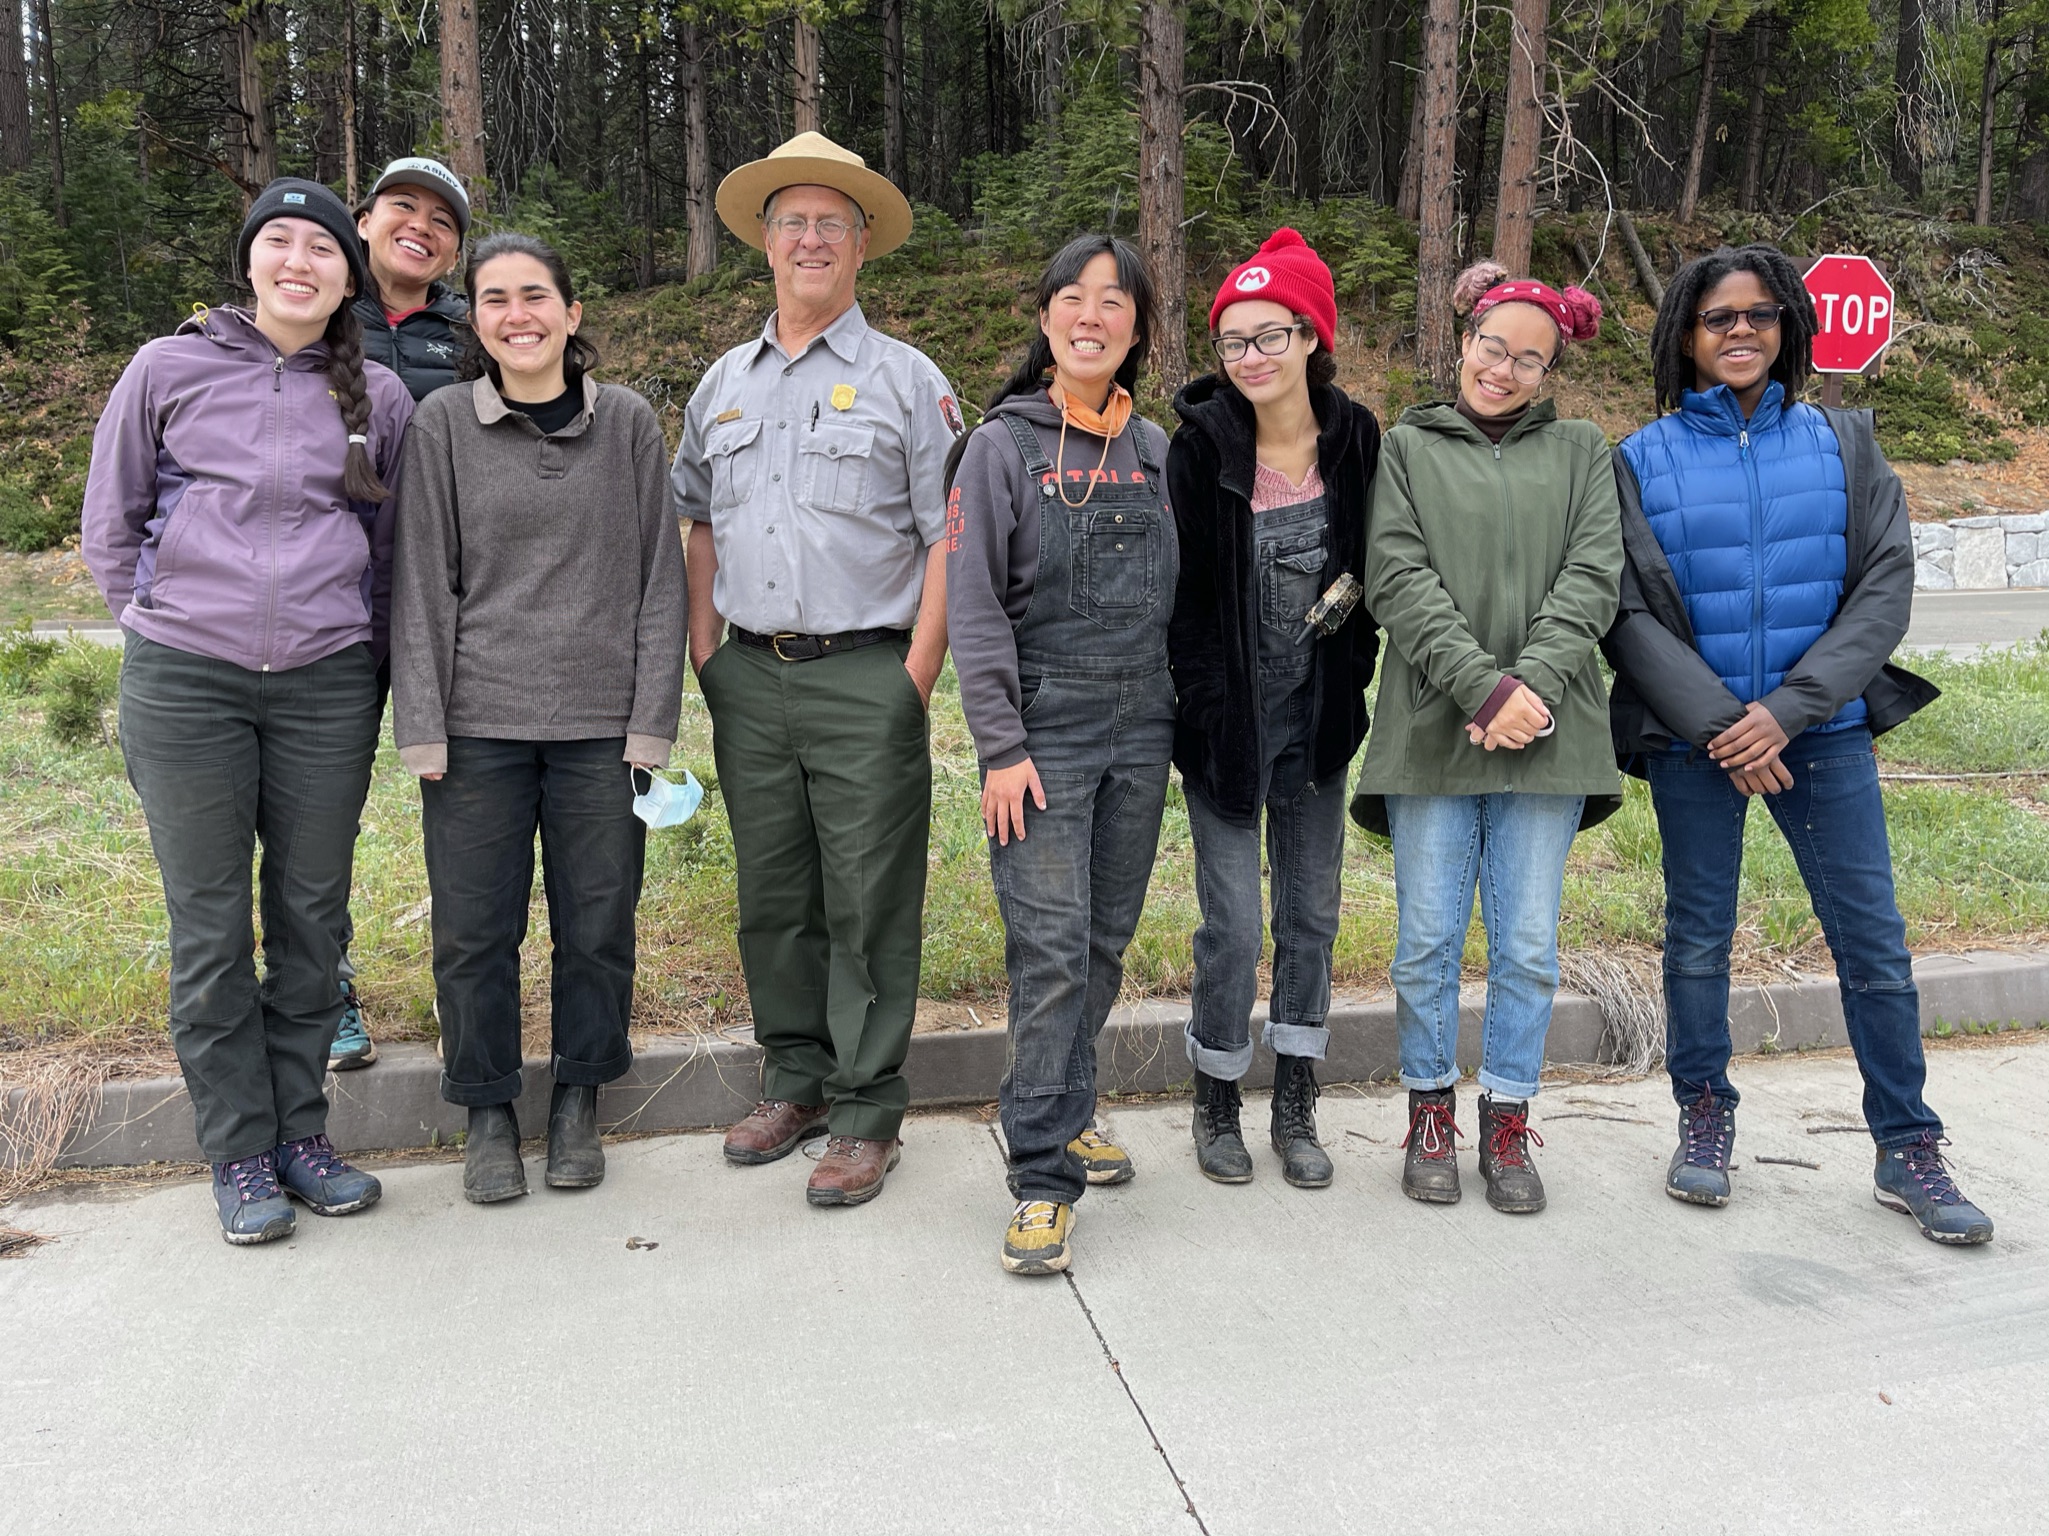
(1305,848)
(1513,848)
(1834,821)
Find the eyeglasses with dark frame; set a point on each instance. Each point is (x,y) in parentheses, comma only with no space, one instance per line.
(1267,343)
(791,227)
(1762,317)
(1494,352)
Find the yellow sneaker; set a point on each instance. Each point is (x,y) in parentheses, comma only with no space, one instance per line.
(1036,1241)
(1104,1160)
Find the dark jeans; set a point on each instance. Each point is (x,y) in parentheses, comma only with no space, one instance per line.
(1305,850)
(1835,823)
(479,823)
(1071,891)
(224,758)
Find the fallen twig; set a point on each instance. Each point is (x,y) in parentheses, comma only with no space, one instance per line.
(1582,1114)
(1788,1162)
(1823,1130)
(1377,1141)
(13,1241)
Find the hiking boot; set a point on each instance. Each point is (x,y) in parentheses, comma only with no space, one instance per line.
(352,1046)
(851,1170)
(1219,1146)
(576,1156)
(311,1170)
(1101,1159)
(253,1209)
(491,1169)
(1505,1135)
(1430,1163)
(1035,1243)
(1699,1174)
(1915,1181)
(1304,1163)
(773,1129)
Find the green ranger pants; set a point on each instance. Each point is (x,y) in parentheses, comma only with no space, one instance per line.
(826,771)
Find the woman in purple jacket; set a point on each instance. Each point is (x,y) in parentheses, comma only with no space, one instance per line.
(238,519)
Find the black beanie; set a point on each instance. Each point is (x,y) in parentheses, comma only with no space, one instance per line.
(291,197)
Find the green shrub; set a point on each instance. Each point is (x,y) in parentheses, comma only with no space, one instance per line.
(80,684)
(23,657)
(1923,418)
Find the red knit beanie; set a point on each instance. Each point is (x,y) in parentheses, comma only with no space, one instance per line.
(1285,272)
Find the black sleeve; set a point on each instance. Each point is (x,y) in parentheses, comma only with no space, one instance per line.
(1195,642)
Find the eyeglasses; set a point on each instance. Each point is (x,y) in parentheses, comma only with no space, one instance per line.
(1762,317)
(1493,352)
(791,227)
(1269,343)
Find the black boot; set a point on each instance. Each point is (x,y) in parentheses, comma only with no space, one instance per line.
(1219,1147)
(491,1169)
(1505,1135)
(1304,1163)
(576,1157)
(1430,1168)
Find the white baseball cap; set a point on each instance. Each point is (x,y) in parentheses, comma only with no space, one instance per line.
(419,171)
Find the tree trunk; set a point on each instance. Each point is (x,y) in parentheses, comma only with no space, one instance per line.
(1434,152)
(1522,136)
(1161,49)
(350,182)
(14,119)
(374,88)
(804,60)
(893,93)
(1312,93)
(1753,131)
(702,252)
(1052,68)
(1646,273)
(1988,99)
(1909,110)
(53,109)
(462,98)
(251,130)
(1703,116)
(2031,141)
(1408,198)
(643,167)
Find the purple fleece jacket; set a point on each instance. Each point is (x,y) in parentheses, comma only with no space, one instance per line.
(215,521)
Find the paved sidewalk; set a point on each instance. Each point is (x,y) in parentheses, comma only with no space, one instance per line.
(1966,623)
(1224,1361)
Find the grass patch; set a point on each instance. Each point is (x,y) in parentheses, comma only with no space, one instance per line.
(82,931)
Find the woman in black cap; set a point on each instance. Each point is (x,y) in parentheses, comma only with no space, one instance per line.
(238,519)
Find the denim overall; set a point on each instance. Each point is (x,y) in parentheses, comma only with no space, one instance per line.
(1099,727)
(1305,830)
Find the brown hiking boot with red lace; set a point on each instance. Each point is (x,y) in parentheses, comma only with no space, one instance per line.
(1505,1137)
(1430,1171)
(772,1129)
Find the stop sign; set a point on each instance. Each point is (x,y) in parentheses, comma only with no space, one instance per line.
(1854,303)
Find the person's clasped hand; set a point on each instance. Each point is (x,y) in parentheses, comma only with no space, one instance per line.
(1515,725)
(1750,749)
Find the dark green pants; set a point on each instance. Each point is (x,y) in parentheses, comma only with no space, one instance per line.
(826,771)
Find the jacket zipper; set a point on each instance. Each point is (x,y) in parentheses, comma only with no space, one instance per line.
(277,456)
(1756,564)
(1507,531)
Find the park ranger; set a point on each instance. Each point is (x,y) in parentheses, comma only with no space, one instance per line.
(811,474)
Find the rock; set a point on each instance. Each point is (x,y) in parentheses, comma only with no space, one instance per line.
(1935,536)
(1941,559)
(2021,548)
(2022,522)
(1932,578)
(2034,574)
(1980,554)
(1974,522)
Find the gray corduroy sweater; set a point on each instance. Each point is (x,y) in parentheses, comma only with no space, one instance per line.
(538,582)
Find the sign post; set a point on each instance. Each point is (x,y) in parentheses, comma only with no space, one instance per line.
(1854,305)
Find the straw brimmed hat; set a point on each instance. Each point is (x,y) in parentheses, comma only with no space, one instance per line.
(813,160)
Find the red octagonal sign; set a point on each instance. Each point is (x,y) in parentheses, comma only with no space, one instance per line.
(1854,304)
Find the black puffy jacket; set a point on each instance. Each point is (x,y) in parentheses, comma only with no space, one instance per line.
(423,348)
(1213,640)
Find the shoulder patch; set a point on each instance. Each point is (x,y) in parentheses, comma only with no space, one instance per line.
(949,411)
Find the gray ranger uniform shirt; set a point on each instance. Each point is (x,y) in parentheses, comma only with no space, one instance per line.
(821,478)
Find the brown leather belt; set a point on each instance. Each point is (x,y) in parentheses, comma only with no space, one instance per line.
(788,646)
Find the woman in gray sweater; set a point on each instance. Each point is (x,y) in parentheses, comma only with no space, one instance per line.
(537,662)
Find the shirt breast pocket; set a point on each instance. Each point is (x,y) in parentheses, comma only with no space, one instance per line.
(729,453)
(834,457)
(1117,566)
(1290,585)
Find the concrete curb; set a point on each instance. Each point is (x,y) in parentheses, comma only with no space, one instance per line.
(678,1085)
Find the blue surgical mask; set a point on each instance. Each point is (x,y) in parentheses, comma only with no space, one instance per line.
(662,803)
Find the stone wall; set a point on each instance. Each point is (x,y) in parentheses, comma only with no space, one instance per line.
(1978,553)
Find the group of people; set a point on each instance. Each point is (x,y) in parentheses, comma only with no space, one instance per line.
(366,483)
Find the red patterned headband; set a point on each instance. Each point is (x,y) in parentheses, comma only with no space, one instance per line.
(1577,312)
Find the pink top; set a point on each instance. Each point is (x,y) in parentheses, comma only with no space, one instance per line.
(1271,490)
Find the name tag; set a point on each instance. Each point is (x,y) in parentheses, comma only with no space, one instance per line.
(725,416)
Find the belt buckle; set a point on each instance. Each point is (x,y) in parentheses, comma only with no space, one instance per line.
(775,643)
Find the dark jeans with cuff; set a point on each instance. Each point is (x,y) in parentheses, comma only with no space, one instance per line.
(479,823)
(224,759)
(1834,821)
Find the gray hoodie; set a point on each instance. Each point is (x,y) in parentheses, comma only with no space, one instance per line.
(992,557)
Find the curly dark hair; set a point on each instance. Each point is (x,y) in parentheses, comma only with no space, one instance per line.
(1672,372)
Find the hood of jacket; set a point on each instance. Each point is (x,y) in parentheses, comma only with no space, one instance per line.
(1216,410)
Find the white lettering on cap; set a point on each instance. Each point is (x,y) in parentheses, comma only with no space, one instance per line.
(1252,279)
(294,197)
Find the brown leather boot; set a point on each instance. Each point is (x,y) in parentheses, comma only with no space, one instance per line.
(772,1129)
(852,1170)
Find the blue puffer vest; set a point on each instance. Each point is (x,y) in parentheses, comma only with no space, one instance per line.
(1751,517)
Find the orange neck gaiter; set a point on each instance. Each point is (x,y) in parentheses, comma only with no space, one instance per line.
(1108,422)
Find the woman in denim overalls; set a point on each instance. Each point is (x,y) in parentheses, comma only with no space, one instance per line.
(1061,567)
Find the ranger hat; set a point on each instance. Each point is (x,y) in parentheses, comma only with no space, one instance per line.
(813,160)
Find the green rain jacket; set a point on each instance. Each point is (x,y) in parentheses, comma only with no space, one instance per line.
(1483,562)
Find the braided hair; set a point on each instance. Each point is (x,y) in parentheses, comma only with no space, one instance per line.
(344,339)
(1672,372)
